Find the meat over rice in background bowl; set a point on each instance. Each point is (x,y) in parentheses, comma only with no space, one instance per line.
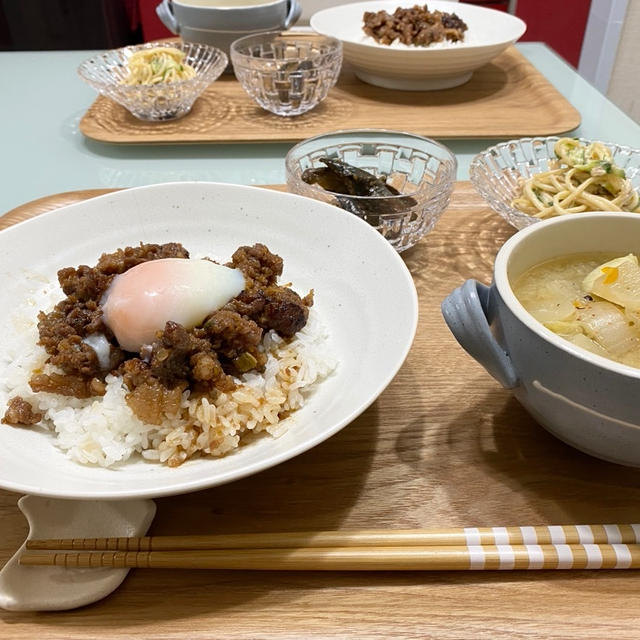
(442,56)
(355,303)
(155,353)
(416,26)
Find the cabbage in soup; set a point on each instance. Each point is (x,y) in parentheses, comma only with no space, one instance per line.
(591,300)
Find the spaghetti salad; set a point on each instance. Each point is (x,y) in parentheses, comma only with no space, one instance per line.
(158,65)
(582,178)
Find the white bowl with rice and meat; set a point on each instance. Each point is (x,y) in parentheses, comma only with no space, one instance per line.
(94,448)
(410,67)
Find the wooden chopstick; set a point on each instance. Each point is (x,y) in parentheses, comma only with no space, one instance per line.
(565,534)
(431,558)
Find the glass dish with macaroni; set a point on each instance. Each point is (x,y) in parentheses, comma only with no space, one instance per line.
(157,80)
(533,179)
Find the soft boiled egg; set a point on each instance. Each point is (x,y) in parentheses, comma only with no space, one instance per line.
(143,299)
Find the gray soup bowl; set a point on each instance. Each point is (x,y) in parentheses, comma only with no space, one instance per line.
(220,25)
(588,401)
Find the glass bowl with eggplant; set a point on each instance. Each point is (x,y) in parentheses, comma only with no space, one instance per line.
(398,182)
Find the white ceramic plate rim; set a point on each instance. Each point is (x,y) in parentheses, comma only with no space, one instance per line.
(281,204)
(332,15)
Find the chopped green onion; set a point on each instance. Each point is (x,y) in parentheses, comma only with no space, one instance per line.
(245,362)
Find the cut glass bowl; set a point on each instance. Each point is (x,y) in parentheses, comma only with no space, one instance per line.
(287,74)
(417,167)
(497,171)
(163,101)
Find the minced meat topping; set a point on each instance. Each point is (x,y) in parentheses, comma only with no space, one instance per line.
(19,411)
(415,26)
(204,359)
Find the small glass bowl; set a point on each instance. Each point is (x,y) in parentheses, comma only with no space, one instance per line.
(417,167)
(164,101)
(495,173)
(287,73)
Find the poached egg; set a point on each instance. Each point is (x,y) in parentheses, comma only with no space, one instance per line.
(140,301)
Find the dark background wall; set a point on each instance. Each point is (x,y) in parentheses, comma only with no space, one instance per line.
(68,24)
(106,24)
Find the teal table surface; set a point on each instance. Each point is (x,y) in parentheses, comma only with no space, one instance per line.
(43,152)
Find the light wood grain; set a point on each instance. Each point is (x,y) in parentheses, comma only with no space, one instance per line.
(443,446)
(568,534)
(48,203)
(405,558)
(506,98)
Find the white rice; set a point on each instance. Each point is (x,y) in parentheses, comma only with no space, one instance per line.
(104,431)
(397,44)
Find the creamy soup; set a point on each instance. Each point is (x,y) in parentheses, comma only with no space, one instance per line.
(591,300)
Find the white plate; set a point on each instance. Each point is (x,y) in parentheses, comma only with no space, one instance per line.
(419,68)
(364,295)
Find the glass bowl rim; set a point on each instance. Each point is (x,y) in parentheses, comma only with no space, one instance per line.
(435,190)
(334,43)
(546,139)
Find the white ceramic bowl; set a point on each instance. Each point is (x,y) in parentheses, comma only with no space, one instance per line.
(356,300)
(419,68)
(588,401)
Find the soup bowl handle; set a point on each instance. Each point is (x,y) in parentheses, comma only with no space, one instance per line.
(465,311)
(295,9)
(164,11)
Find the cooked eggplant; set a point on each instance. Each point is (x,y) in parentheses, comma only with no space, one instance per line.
(375,196)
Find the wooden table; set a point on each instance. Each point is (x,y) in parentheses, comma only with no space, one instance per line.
(444,445)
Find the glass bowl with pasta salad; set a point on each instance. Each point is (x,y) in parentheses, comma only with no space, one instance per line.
(534,179)
(157,80)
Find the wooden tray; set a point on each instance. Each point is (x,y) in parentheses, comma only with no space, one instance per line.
(444,445)
(507,98)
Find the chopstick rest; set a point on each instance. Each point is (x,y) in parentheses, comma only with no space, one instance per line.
(52,588)
(408,558)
